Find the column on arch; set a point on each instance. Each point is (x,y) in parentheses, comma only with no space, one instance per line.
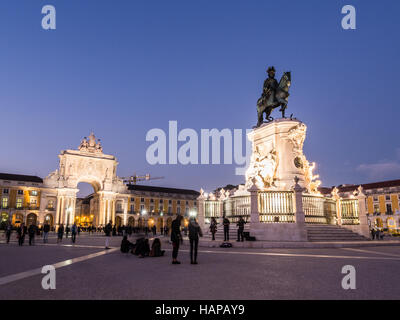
(102,210)
(125,212)
(113,208)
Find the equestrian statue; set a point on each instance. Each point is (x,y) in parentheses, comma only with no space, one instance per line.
(274,95)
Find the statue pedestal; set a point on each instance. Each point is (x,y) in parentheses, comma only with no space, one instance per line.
(278,156)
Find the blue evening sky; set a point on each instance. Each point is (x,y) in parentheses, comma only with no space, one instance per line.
(121,68)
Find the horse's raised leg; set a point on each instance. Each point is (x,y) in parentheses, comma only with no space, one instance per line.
(268,114)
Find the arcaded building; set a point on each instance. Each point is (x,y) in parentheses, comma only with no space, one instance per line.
(32,199)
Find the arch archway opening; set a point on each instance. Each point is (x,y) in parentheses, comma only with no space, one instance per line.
(87,204)
(31,218)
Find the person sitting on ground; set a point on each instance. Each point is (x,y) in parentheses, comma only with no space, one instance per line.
(142,247)
(126,245)
(156,249)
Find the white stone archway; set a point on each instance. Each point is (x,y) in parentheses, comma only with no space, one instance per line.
(87,164)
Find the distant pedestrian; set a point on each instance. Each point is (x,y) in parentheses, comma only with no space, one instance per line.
(108,230)
(46,229)
(67,229)
(21,231)
(114,231)
(213,227)
(240,225)
(226,224)
(74,231)
(194,233)
(373,233)
(60,233)
(378,233)
(8,231)
(176,238)
(31,234)
(154,229)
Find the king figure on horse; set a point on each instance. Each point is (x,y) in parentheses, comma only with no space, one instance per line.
(274,95)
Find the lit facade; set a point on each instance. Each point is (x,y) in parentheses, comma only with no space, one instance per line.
(31,199)
(382,201)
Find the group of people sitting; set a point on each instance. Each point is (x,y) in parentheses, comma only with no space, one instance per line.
(142,247)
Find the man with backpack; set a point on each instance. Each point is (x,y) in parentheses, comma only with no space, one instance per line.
(194,233)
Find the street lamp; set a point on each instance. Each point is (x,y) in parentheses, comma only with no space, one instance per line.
(192,213)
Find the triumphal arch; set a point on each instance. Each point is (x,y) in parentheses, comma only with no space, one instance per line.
(86,164)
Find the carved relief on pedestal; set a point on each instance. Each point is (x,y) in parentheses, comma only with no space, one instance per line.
(262,168)
(297,136)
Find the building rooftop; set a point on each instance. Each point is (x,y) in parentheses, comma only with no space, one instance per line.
(162,189)
(20,177)
(365,186)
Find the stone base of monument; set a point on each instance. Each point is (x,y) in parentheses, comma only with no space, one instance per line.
(278,156)
(279,232)
(277,165)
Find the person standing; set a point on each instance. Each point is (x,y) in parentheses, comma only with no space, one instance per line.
(60,233)
(66,231)
(213,227)
(176,238)
(240,225)
(46,229)
(74,230)
(21,231)
(226,224)
(194,233)
(8,231)
(378,233)
(373,233)
(114,230)
(31,234)
(108,230)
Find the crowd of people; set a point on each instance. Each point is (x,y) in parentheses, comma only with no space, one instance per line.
(377,233)
(141,247)
(226,225)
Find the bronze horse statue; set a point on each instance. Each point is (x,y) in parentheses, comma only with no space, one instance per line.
(280,99)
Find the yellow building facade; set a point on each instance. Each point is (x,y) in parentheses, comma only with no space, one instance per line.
(382,202)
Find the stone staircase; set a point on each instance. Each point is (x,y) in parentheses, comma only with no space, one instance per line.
(219,235)
(319,232)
